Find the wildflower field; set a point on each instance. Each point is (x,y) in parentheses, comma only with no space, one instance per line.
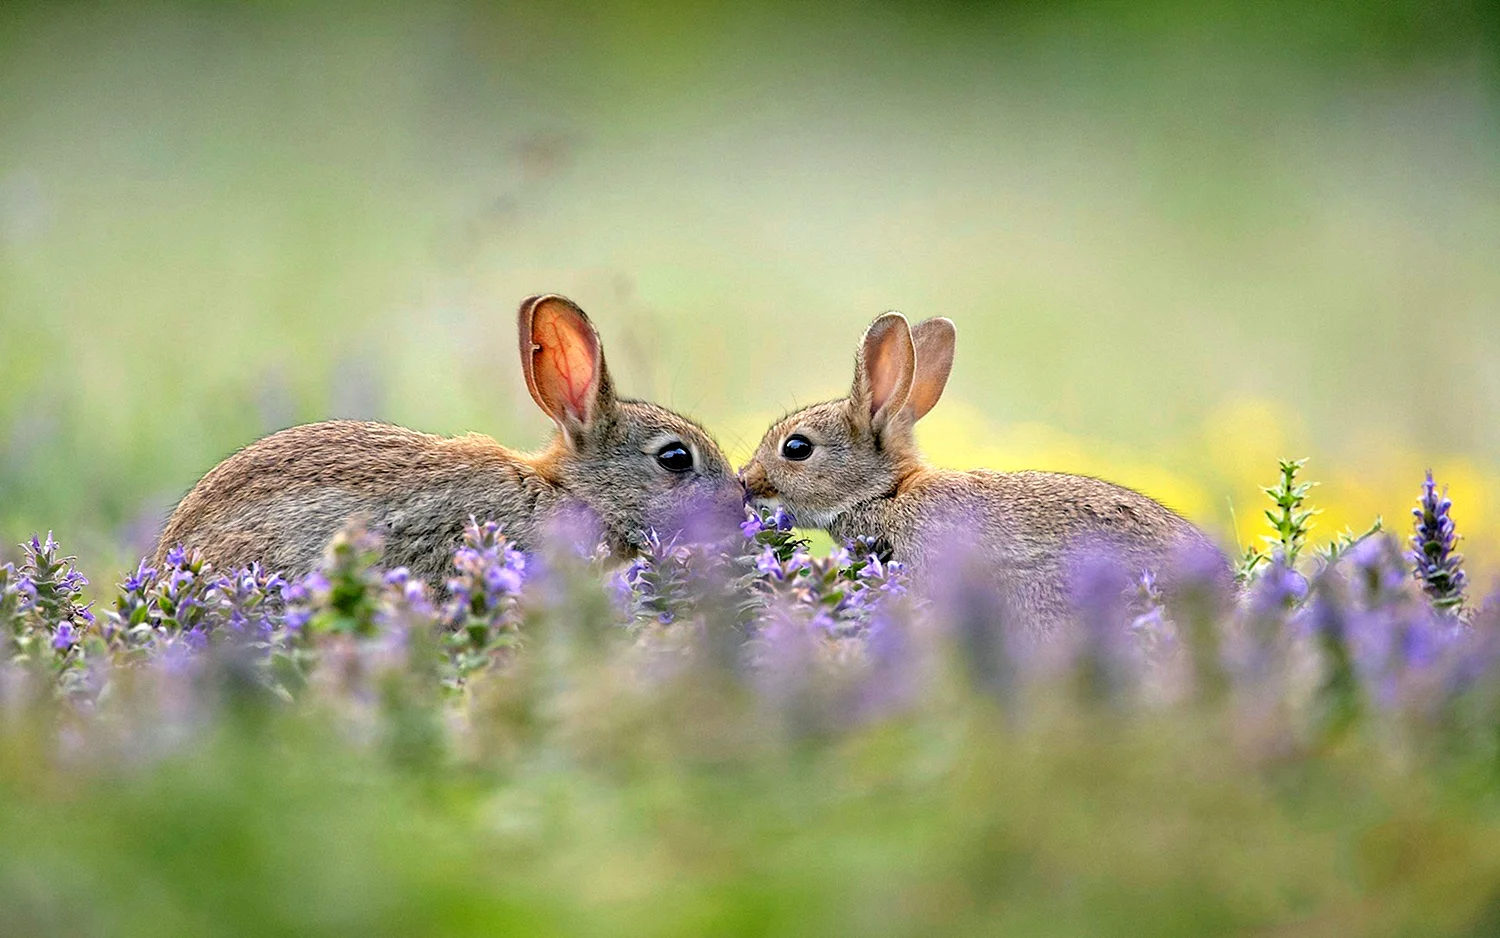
(1180,243)
(734,735)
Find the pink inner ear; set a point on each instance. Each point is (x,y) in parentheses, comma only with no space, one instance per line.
(565,363)
(885,368)
(882,379)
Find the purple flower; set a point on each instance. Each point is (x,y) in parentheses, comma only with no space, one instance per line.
(504,579)
(757,523)
(137,581)
(1375,565)
(489,575)
(1278,588)
(303,598)
(248,600)
(63,638)
(1148,624)
(179,582)
(633,572)
(54,582)
(894,679)
(768,564)
(297,619)
(1436,563)
(1101,587)
(17,592)
(980,622)
(405,603)
(873,580)
(176,556)
(1339,695)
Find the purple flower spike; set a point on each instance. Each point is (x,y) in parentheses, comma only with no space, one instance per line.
(1436,564)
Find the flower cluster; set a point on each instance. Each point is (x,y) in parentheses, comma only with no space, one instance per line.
(768,529)
(840,592)
(43,622)
(188,601)
(654,587)
(481,614)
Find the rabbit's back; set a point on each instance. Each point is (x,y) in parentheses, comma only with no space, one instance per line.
(1048,510)
(280,500)
(1028,528)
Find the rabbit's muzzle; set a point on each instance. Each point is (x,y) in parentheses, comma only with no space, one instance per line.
(757,486)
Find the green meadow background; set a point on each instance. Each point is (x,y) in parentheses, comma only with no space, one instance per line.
(1179,239)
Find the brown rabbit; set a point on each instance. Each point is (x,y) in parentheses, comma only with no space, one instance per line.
(633,465)
(851,467)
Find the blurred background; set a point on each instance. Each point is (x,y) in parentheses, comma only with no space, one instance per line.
(1180,240)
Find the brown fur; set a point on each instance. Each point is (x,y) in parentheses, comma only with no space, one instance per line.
(280,500)
(865,478)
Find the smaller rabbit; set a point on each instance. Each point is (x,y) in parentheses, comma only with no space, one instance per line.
(851,467)
(634,466)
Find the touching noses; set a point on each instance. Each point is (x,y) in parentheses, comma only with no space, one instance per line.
(753,478)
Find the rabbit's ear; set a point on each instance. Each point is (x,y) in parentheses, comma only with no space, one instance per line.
(563,363)
(883,371)
(934,339)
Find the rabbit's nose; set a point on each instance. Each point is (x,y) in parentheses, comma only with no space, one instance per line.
(753,478)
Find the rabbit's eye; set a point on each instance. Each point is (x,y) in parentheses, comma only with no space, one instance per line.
(674,457)
(796,447)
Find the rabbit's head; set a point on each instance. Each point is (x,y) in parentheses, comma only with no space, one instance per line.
(633,465)
(827,458)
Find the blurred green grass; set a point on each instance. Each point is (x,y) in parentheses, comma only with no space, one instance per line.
(1063,825)
(1148,221)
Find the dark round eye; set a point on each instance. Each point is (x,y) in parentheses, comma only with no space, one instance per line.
(796,447)
(674,457)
